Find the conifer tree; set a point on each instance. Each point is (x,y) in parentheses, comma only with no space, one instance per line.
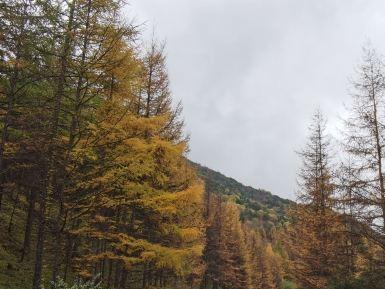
(154,97)
(364,144)
(363,194)
(225,251)
(313,253)
(147,210)
(264,267)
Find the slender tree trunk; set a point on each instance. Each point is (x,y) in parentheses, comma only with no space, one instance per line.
(52,155)
(15,201)
(74,123)
(117,274)
(123,279)
(379,162)
(28,225)
(40,242)
(144,276)
(149,85)
(110,263)
(68,255)
(205,281)
(57,245)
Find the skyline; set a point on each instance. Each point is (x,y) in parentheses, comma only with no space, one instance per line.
(250,75)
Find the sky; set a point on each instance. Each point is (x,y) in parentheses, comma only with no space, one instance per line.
(251,73)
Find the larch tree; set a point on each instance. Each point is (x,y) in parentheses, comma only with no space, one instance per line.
(154,97)
(364,144)
(54,132)
(363,172)
(313,219)
(225,252)
(146,213)
(261,275)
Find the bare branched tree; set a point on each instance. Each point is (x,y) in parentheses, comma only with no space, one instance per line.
(365,144)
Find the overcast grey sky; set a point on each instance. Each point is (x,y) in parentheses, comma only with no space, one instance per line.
(250,74)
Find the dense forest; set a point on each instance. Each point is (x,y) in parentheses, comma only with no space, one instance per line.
(96,189)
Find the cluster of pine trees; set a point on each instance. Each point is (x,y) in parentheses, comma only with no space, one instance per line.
(94,182)
(336,238)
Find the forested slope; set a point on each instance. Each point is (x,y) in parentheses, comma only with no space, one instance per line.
(257,204)
(96,187)
(267,210)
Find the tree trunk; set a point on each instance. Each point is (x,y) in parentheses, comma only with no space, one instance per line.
(144,276)
(60,184)
(28,225)
(13,213)
(57,245)
(40,242)
(51,155)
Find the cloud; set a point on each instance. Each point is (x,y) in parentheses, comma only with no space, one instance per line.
(251,73)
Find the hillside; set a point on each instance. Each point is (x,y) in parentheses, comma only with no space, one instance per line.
(258,205)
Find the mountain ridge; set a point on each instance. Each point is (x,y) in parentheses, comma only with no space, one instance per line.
(257,205)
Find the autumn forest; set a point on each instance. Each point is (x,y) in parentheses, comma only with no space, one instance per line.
(97,190)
